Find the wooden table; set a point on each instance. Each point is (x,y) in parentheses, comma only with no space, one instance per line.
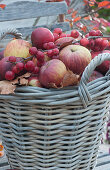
(103,161)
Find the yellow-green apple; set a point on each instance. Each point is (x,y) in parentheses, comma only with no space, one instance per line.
(75,57)
(105,66)
(17,48)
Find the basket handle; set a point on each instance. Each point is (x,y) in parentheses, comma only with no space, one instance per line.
(13,32)
(82,89)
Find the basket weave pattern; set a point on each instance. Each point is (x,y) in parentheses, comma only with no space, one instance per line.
(56,129)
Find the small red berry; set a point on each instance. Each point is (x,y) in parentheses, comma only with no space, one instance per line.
(57,30)
(33,50)
(74,33)
(15,69)
(50,53)
(56,36)
(98,33)
(45,46)
(96,48)
(12,59)
(55,51)
(39,63)
(92,33)
(91,43)
(20,66)
(40,56)
(104,44)
(84,42)
(29,66)
(98,41)
(50,45)
(9,75)
(36,70)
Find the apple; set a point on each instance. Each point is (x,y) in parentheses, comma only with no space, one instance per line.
(104,67)
(75,57)
(95,75)
(34,81)
(17,48)
(61,41)
(75,33)
(1,54)
(52,73)
(40,36)
(5,66)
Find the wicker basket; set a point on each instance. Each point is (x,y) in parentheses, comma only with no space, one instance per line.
(56,129)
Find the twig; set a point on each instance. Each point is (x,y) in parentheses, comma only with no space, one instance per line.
(34,24)
(90,13)
(11,32)
(87,14)
(103,36)
(36,21)
(93,37)
(73,42)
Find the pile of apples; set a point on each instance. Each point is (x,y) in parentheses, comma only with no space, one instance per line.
(54,59)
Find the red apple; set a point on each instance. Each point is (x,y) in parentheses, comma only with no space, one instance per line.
(1,54)
(34,81)
(95,75)
(75,57)
(17,48)
(40,36)
(5,66)
(104,67)
(52,73)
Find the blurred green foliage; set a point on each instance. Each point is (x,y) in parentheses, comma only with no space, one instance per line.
(104,13)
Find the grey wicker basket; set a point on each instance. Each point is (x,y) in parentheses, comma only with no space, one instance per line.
(56,129)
